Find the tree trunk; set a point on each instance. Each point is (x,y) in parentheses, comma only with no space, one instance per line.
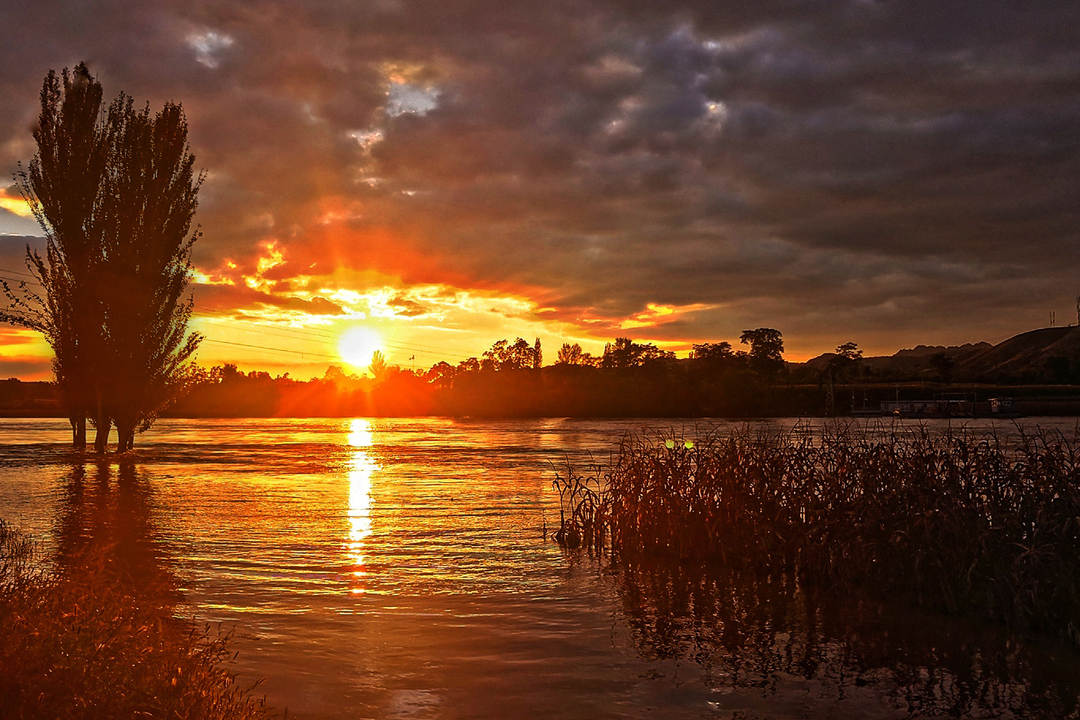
(125,436)
(78,433)
(101,437)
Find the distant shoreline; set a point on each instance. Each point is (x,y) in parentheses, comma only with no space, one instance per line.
(913,399)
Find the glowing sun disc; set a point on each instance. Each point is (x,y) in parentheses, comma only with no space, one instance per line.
(358,345)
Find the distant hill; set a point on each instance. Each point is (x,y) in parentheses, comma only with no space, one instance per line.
(1047,355)
(919,362)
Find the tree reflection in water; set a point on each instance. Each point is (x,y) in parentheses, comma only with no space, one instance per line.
(96,635)
(106,538)
(756,630)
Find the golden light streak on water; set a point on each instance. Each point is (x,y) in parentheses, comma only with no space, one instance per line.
(362,467)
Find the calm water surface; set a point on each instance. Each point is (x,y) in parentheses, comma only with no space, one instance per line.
(396,568)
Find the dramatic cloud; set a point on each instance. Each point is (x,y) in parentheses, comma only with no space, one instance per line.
(891,172)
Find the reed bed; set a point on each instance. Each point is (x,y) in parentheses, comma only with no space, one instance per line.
(955,521)
(82,645)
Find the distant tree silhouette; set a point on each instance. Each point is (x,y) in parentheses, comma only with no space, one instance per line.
(712,352)
(569,354)
(468,366)
(441,374)
(766,354)
(574,355)
(62,187)
(625,353)
(503,355)
(518,356)
(537,355)
(838,369)
(844,361)
(378,366)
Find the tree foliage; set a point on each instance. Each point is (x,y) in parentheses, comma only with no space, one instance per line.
(714,352)
(115,194)
(378,366)
(61,185)
(625,353)
(766,350)
(518,355)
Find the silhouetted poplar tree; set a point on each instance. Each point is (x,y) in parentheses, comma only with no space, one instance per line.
(150,194)
(61,185)
(115,195)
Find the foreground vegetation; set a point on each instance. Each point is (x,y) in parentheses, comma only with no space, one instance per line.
(957,523)
(85,643)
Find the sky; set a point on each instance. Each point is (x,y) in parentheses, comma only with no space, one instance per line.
(446,174)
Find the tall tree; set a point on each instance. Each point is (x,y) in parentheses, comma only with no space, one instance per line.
(150,194)
(115,195)
(62,186)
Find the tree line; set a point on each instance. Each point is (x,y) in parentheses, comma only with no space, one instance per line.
(764,356)
(115,191)
(510,379)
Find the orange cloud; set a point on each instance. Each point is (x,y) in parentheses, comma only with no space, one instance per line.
(13,203)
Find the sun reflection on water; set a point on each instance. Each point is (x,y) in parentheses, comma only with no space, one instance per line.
(361,467)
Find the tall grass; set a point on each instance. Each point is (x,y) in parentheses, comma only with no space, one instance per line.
(85,644)
(957,522)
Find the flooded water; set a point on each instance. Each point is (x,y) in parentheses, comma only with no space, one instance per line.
(398,568)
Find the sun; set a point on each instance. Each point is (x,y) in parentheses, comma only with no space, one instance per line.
(358,345)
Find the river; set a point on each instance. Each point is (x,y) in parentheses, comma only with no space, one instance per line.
(398,568)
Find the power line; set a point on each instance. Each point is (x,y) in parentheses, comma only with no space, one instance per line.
(273,349)
(299,334)
(315,334)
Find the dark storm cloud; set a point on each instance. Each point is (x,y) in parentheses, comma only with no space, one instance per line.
(894,171)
